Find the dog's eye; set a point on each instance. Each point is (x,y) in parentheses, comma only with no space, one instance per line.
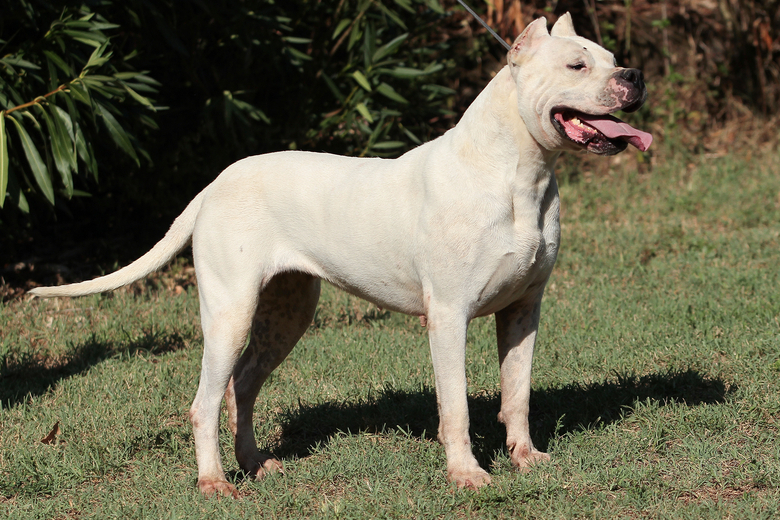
(576,66)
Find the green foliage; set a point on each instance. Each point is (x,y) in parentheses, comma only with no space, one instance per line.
(382,57)
(353,77)
(60,90)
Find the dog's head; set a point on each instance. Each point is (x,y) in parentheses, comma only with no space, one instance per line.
(567,88)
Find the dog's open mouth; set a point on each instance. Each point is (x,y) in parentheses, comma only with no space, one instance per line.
(604,135)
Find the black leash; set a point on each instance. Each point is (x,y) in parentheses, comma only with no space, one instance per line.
(485,25)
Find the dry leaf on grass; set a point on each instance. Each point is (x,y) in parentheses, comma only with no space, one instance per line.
(52,437)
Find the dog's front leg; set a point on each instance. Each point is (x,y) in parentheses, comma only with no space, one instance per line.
(516,328)
(447,336)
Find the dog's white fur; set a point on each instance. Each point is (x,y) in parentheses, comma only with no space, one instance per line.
(460,227)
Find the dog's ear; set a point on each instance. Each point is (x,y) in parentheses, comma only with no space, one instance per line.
(563,27)
(530,38)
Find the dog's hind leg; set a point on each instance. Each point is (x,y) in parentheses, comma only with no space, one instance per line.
(228,286)
(284,312)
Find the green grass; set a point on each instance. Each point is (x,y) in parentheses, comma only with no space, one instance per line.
(656,381)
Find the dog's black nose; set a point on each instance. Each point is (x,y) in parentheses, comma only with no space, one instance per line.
(633,76)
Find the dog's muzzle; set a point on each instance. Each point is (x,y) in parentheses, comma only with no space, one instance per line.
(633,81)
(602,133)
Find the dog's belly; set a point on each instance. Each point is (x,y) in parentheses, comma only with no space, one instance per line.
(388,294)
(381,276)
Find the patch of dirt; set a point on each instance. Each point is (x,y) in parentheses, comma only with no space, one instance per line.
(715,494)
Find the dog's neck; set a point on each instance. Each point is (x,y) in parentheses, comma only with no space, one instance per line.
(492,134)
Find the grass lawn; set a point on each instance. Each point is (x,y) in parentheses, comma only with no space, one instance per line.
(656,381)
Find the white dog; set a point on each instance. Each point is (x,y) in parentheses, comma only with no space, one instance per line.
(460,227)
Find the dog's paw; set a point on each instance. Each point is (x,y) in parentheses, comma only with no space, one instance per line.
(523,458)
(257,465)
(267,466)
(469,479)
(209,488)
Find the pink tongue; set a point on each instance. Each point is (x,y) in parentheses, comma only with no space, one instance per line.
(614,128)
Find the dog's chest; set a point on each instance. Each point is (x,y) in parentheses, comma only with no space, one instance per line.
(519,274)
(523,257)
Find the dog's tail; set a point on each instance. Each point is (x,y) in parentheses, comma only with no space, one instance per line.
(176,239)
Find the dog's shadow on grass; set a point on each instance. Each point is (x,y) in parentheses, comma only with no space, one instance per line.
(35,375)
(554,411)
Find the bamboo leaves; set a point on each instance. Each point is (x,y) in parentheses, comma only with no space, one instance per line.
(59,148)
(54,130)
(393,57)
(361,80)
(116,131)
(3,160)
(38,167)
(390,93)
(389,48)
